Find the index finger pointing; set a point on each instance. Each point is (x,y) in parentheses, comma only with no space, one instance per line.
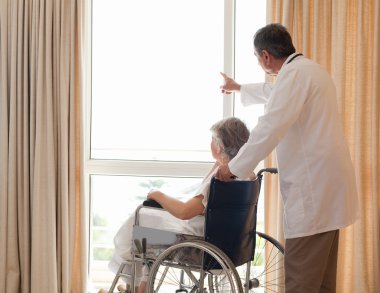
(225,76)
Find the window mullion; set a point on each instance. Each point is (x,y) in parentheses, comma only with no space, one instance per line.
(229,52)
(148,168)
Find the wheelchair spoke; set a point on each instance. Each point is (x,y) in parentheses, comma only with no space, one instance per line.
(187,270)
(191,276)
(162,278)
(266,271)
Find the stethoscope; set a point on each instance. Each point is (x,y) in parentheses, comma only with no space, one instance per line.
(295,56)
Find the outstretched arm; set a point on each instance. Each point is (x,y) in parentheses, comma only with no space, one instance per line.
(254,93)
(182,210)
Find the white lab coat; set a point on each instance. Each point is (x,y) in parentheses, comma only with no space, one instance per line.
(301,121)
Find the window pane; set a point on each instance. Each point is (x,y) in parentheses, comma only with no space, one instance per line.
(247,69)
(155,82)
(113,199)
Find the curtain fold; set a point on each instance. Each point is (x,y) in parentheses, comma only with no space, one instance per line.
(42,208)
(343,36)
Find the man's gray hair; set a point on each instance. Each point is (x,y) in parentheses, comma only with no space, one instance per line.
(230,134)
(275,39)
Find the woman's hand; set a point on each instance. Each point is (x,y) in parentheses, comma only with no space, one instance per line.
(154,195)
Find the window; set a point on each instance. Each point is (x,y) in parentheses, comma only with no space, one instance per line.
(154,95)
(164,75)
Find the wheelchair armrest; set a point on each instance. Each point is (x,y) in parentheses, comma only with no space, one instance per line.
(151,203)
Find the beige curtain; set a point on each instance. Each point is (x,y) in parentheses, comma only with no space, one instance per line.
(42,231)
(344,36)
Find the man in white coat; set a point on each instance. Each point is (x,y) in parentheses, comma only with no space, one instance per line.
(317,180)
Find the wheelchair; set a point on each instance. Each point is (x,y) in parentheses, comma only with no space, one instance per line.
(231,257)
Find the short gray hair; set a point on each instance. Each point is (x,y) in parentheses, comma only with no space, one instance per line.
(275,39)
(230,134)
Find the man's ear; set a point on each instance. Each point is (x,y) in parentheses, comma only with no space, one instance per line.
(266,56)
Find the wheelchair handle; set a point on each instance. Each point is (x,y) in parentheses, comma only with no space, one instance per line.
(269,170)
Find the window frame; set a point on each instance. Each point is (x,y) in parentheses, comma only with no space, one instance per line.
(150,167)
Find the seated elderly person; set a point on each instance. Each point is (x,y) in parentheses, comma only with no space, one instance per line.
(228,136)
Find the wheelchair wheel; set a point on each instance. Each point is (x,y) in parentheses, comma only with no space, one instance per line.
(195,266)
(266,272)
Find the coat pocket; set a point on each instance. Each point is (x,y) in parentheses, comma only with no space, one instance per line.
(294,210)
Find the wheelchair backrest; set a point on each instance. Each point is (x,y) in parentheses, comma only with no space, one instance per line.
(230,220)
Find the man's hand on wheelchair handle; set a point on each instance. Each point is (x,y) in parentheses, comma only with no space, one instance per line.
(224,173)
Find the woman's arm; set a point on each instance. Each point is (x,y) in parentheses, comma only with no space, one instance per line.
(182,210)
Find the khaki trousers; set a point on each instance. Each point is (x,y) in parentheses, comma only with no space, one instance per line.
(311,262)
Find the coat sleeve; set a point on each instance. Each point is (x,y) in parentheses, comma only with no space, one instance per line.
(255,93)
(282,110)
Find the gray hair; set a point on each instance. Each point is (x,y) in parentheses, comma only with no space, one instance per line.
(275,39)
(230,134)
